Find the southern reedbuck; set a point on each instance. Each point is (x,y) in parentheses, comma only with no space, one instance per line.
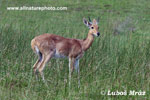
(48,46)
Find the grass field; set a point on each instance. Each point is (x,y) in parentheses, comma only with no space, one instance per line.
(118,60)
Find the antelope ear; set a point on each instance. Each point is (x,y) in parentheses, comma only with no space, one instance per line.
(95,22)
(86,22)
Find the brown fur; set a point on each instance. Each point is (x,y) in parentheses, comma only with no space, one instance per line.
(49,44)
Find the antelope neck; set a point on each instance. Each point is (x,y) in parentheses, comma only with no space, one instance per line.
(87,42)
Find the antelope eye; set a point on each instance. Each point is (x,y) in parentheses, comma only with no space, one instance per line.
(92,27)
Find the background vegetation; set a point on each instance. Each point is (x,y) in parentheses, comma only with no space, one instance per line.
(118,60)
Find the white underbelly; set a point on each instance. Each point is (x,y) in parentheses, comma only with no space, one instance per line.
(58,55)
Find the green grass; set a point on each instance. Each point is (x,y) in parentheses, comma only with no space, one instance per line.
(114,62)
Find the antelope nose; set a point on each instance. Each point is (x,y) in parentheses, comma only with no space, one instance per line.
(98,34)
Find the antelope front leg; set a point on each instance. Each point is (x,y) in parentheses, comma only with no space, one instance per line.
(71,68)
(78,71)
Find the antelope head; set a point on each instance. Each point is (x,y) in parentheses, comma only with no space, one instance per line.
(93,26)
